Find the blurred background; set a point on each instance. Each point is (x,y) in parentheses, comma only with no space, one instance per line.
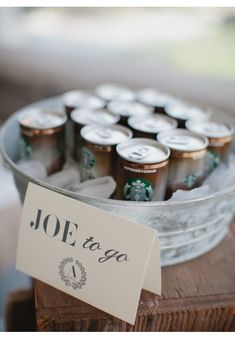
(189,52)
(185,51)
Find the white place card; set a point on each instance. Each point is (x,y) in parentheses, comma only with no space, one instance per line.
(93,255)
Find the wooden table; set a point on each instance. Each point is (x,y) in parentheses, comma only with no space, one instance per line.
(198,295)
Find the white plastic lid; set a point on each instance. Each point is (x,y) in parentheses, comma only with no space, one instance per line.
(153,97)
(127,109)
(38,119)
(143,150)
(114,92)
(111,135)
(86,116)
(182,140)
(211,129)
(182,110)
(81,99)
(153,124)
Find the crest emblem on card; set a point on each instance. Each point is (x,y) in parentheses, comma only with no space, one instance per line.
(72,273)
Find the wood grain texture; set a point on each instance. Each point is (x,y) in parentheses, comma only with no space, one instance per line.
(20,311)
(198,295)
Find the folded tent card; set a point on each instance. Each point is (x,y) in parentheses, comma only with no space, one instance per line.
(93,255)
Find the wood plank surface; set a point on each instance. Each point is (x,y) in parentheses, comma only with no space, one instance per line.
(198,295)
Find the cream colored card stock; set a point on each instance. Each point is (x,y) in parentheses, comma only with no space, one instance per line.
(93,255)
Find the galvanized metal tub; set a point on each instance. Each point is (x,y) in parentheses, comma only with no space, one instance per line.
(186,229)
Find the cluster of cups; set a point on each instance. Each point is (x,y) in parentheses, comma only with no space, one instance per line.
(151,143)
